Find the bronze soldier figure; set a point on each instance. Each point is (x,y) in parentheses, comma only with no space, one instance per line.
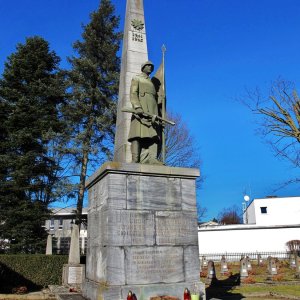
(145,132)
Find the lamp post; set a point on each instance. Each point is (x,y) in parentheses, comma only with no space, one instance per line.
(245,209)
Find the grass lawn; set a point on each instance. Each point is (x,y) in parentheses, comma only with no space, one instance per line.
(254,292)
(287,290)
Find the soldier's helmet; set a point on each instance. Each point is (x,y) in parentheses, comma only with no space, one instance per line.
(148,62)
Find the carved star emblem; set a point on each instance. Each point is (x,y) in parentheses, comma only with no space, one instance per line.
(137,24)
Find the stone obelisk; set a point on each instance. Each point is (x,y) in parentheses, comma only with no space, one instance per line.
(134,53)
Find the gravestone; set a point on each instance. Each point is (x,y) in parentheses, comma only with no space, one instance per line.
(211,272)
(272,268)
(259,260)
(249,266)
(73,271)
(292,261)
(204,262)
(49,245)
(243,268)
(224,267)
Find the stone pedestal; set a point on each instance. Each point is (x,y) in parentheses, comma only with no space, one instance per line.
(142,232)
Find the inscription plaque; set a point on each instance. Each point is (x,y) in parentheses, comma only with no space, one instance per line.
(176,228)
(154,265)
(153,193)
(75,275)
(128,227)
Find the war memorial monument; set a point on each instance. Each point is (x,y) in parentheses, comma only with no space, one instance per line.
(142,216)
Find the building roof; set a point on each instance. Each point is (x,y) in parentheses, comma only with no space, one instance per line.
(63,211)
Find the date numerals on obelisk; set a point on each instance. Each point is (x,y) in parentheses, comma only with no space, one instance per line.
(137,25)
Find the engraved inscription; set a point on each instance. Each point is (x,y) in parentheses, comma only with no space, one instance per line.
(154,193)
(137,37)
(75,275)
(130,228)
(176,228)
(154,265)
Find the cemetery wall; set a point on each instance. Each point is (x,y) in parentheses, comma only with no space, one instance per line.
(245,238)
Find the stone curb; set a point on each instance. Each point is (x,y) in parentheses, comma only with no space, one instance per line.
(270,294)
(30,296)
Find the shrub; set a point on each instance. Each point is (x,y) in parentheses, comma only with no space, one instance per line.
(278,277)
(203,274)
(249,280)
(32,271)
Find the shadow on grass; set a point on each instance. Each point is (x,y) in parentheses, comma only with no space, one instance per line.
(222,289)
(10,279)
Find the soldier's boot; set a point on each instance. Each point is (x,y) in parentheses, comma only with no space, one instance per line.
(135,151)
(153,153)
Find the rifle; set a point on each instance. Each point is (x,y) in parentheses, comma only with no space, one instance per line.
(147,115)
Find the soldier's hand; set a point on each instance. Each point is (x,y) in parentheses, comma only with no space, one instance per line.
(153,119)
(139,111)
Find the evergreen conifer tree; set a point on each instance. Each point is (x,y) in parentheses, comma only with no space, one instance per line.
(31,92)
(94,77)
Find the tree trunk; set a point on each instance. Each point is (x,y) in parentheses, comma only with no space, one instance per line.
(83,171)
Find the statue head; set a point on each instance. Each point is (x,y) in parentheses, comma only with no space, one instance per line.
(147,63)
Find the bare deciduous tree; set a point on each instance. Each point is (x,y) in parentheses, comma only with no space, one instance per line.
(279,123)
(182,151)
(181,148)
(294,248)
(230,215)
(201,212)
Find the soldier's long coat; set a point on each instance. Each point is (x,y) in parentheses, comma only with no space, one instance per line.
(143,94)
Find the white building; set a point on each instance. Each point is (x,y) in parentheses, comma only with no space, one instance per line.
(60,226)
(270,223)
(273,211)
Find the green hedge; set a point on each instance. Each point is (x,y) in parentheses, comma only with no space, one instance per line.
(34,271)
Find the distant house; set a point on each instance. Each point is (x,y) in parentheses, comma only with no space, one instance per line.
(60,226)
(209,223)
(268,224)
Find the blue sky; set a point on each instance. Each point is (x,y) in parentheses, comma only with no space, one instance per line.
(215,49)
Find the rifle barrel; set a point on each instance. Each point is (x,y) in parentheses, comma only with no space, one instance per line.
(131,110)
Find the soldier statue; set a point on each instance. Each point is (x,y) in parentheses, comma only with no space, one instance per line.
(145,128)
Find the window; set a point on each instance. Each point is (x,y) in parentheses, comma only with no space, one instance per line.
(60,224)
(263,210)
(52,223)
